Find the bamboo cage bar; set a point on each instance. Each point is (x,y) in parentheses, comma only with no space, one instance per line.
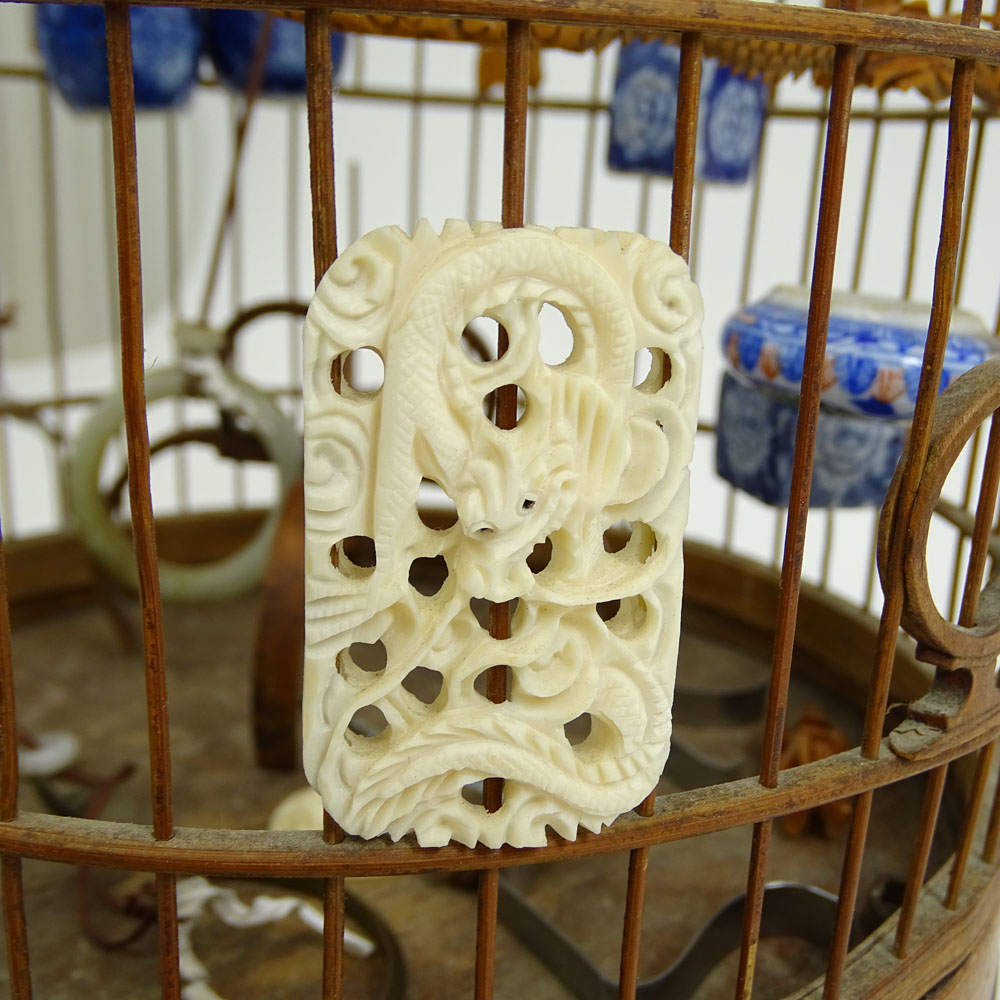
(808,230)
(912,463)
(18,962)
(827,230)
(918,862)
(140,494)
(589,145)
(56,326)
(319,103)
(984,763)
(809,25)
(680,242)
(9,777)
(515,132)
(11,874)
(985,511)
(106,844)
(992,838)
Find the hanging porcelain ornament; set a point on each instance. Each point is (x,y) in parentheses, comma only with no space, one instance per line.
(231,38)
(166,45)
(644,115)
(576,513)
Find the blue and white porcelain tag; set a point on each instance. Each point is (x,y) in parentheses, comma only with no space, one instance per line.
(644,115)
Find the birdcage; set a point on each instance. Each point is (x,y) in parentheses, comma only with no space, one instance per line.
(822,826)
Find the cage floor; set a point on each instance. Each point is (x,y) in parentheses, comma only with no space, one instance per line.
(74,672)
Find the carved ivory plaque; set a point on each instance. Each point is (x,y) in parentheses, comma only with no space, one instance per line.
(397,727)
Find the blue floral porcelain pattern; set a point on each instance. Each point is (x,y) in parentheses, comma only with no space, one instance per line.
(874,349)
(232,41)
(166,44)
(854,460)
(644,115)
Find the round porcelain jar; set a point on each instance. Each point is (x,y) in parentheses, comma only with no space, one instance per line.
(871,372)
(874,348)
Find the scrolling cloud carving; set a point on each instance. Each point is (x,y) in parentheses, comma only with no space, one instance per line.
(576,513)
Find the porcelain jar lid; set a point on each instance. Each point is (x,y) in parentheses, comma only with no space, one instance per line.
(874,348)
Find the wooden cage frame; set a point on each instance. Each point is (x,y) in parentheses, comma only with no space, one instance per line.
(965,919)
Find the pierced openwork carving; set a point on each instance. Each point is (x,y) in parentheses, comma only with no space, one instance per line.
(963,700)
(576,512)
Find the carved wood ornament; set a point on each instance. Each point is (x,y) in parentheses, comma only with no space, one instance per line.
(964,699)
(594,633)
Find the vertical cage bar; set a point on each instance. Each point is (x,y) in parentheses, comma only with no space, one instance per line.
(9,778)
(915,455)
(992,841)
(15,925)
(686,139)
(172,205)
(921,854)
(645,190)
(780,527)
(416,134)
(590,144)
(685,143)
(866,204)
(984,760)
(319,111)
(515,123)
(242,123)
(486,932)
(827,229)
(110,238)
(56,326)
(237,234)
(292,236)
(817,173)
(749,248)
(916,452)
(698,197)
(515,137)
(960,542)
(749,253)
(475,143)
(828,546)
(319,115)
(982,527)
(977,159)
(635,898)
(996,321)
(872,570)
(531,167)
(137,439)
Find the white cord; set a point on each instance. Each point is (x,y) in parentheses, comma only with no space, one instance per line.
(194,894)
